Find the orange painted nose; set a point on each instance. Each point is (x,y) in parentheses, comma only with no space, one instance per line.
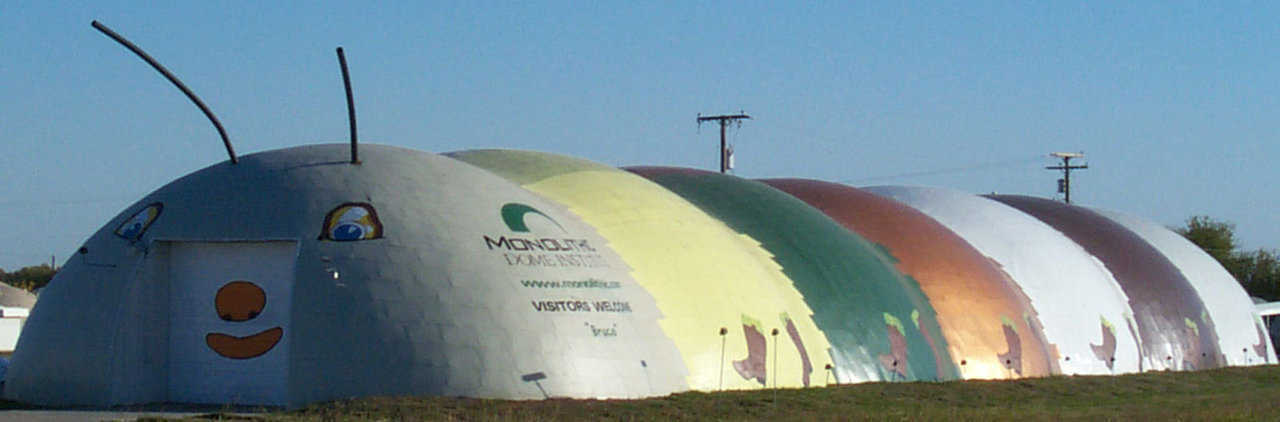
(239,301)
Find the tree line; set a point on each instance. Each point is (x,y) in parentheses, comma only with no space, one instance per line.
(29,278)
(1258,270)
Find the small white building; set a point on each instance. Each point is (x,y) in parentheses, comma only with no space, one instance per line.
(15,305)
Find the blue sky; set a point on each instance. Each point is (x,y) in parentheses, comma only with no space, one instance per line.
(1173,102)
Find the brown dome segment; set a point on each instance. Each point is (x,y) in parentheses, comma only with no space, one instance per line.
(1173,323)
(989,323)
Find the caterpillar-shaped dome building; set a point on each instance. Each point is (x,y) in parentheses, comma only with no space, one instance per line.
(296,276)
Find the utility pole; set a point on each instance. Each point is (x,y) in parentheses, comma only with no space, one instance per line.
(1064,184)
(724,121)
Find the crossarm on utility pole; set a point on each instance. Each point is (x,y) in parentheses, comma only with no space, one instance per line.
(1066,168)
(724,121)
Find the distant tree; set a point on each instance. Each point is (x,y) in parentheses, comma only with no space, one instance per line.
(1258,271)
(1217,238)
(29,278)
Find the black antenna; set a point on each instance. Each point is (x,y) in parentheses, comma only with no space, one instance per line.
(351,105)
(165,72)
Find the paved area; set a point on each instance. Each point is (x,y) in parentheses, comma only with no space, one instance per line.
(85,415)
(171,411)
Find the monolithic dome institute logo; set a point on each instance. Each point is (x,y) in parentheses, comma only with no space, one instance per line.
(536,239)
(513,214)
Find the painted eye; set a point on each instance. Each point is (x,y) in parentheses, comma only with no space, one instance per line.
(132,231)
(351,222)
(348,231)
(133,228)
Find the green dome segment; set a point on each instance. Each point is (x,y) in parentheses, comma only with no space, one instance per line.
(851,285)
(988,319)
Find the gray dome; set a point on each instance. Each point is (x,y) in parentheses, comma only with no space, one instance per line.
(295,276)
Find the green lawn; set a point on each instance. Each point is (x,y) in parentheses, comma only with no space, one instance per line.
(1231,394)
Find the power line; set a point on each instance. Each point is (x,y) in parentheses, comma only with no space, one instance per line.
(67,201)
(974,167)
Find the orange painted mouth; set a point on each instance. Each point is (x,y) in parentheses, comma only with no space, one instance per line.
(244,347)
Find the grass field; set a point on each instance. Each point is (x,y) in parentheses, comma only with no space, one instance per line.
(1222,394)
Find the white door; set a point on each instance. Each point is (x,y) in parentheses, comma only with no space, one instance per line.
(229,321)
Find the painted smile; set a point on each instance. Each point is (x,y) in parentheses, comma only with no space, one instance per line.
(244,347)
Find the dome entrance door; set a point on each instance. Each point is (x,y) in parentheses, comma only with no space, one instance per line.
(229,324)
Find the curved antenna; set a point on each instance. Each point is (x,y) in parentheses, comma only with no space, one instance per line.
(351,105)
(165,72)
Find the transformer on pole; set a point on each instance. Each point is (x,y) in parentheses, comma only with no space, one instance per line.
(1064,184)
(724,121)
